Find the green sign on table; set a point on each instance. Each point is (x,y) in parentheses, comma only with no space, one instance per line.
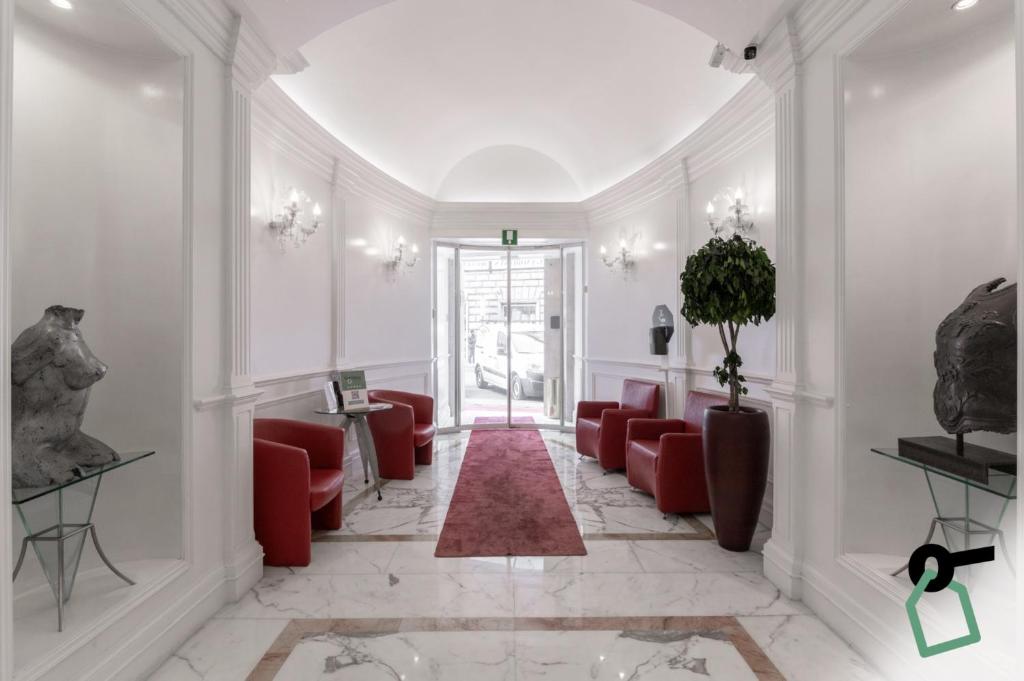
(509,237)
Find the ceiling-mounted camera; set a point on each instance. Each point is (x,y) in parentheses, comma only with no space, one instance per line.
(750,52)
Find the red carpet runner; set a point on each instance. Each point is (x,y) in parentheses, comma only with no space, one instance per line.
(508,501)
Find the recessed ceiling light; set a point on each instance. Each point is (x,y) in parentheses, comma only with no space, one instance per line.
(959,5)
(62,4)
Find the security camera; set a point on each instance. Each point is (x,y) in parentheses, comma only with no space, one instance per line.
(717,56)
(750,52)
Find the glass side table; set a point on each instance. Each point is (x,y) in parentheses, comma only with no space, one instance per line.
(1000,484)
(56,520)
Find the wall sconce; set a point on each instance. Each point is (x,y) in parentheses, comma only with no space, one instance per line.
(399,257)
(624,261)
(737,221)
(289,223)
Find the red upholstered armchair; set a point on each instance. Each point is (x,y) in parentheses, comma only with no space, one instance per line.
(601,426)
(404,434)
(297,480)
(664,457)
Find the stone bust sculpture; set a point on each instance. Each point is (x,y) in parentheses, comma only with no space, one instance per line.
(52,371)
(976,362)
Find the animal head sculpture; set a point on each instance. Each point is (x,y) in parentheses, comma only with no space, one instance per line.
(56,339)
(976,362)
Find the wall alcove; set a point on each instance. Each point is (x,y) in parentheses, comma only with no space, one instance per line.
(97,223)
(930,210)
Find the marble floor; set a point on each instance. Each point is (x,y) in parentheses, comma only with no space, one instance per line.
(654,598)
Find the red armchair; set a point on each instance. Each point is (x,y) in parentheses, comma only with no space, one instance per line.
(297,481)
(601,426)
(403,435)
(664,457)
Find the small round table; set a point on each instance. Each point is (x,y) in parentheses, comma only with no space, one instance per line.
(367,452)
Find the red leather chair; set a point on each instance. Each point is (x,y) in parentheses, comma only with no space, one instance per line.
(297,480)
(601,426)
(664,457)
(404,434)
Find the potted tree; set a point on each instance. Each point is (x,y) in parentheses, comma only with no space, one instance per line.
(730,283)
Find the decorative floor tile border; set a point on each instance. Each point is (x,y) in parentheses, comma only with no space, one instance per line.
(723,627)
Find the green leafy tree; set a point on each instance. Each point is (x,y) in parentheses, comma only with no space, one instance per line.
(729,283)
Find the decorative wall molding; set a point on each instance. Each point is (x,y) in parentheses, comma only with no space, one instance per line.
(278,118)
(6,517)
(211,21)
(288,387)
(452,218)
(716,140)
(815,21)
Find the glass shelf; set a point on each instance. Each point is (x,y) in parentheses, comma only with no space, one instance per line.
(22,495)
(999,483)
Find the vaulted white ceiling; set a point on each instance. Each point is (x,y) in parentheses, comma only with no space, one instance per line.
(511,100)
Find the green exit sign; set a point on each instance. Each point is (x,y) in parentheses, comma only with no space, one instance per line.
(509,237)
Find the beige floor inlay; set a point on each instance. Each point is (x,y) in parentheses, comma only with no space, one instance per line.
(348,637)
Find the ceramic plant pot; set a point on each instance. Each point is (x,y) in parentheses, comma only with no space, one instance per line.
(736,446)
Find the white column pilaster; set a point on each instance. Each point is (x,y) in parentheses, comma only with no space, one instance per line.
(250,62)
(6,517)
(783,551)
(339,248)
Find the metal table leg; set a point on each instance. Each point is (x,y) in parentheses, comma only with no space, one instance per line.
(367,451)
(60,538)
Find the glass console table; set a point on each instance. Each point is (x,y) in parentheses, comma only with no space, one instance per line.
(56,520)
(1001,485)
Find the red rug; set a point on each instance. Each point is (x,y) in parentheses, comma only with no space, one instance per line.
(508,501)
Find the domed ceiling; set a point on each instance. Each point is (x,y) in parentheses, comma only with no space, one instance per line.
(511,100)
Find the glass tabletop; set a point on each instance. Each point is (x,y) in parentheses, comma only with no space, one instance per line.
(376,406)
(23,494)
(999,483)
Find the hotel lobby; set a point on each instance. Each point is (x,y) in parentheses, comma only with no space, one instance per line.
(511,340)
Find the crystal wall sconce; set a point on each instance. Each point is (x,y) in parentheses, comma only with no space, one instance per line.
(400,257)
(289,223)
(737,221)
(624,260)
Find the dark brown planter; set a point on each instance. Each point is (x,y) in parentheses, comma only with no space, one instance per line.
(736,465)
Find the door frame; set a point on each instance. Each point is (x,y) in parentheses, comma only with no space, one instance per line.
(456,323)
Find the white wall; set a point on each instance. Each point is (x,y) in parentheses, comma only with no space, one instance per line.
(862,605)
(292,293)
(753,169)
(97,224)
(661,212)
(387,313)
(939,221)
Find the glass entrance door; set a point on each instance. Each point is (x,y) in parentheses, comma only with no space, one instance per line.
(502,356)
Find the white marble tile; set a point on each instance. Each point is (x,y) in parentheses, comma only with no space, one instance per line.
(610,594)
(694,556)
(602,556)
(418,558)
(804,649)
(346,558)
(638,656)
(428,656)
(346,596)
(223,650)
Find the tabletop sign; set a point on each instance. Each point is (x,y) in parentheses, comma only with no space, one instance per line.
(510,237)
(353,389)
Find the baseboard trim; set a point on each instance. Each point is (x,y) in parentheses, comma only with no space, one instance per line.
(782,570)
(242,574)
(159,639)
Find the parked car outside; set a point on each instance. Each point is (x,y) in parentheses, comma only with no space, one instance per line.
(491,365)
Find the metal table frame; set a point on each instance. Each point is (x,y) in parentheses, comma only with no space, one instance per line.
(61,532)
(367,450)
(964,525)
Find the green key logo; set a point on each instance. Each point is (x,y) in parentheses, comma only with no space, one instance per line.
(973,634)
(937,580)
